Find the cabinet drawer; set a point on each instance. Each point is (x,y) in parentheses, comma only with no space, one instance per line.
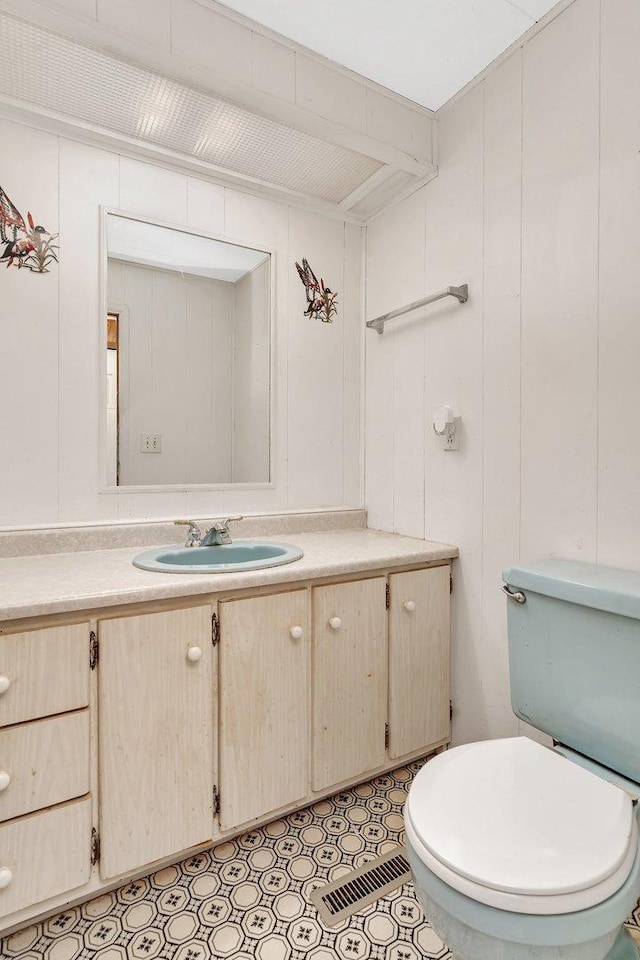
(46,853)
(44,672)
(46,761)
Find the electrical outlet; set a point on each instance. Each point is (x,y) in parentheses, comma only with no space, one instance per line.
(150,443)
(451,441)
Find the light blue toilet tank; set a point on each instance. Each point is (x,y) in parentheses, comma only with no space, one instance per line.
(574,657)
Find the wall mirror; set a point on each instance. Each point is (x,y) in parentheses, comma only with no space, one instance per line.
(187,335)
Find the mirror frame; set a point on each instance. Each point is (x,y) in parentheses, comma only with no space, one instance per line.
(104,485)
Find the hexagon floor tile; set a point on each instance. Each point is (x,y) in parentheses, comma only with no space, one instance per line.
(248,898)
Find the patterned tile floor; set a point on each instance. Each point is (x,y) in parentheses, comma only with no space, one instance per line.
(248,898)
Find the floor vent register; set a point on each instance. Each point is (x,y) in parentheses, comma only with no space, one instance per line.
(340,899)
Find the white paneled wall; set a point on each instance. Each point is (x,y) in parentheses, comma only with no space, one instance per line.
(52,339)
(536,206)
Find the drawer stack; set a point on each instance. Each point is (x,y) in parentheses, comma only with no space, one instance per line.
(45,807)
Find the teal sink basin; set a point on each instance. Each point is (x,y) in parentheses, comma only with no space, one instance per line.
(228,558)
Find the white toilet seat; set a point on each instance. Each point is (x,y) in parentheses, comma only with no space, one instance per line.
(516,826)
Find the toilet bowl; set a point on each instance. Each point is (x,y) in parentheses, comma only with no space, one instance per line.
(522,852)
(518,853)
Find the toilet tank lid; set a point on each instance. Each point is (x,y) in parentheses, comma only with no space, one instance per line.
(591,585)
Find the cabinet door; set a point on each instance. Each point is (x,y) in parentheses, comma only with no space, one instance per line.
(264,705)
(350,680)
(418,660)
(155,736)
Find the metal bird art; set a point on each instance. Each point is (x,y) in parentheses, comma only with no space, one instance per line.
(24,244)
(321,301)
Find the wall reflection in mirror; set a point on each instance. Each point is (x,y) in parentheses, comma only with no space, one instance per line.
(188,357)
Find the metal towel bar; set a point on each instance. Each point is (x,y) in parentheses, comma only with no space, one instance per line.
(460,293)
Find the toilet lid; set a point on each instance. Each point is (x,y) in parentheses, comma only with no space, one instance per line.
(513,816)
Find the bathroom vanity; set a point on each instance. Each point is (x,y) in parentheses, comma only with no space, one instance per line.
(145,716)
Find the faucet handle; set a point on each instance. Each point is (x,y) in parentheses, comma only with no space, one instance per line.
(224,524)
(194,536)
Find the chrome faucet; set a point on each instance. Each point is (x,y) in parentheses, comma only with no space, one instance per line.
(217,535)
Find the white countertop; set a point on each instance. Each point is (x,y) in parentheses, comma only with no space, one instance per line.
(61,582)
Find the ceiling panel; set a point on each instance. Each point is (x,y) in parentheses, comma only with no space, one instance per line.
(425,50)
(57,74)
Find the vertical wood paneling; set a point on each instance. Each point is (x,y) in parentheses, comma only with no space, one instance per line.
(619,398)
(453,376)
(353,327)
(205,206)
(501,377)
(395,371)
(560,286)
(315,377)
(29,380)
(150,191)
(88,178)
(535,402)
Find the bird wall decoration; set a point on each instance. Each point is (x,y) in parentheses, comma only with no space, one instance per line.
(24,244)
(321,301)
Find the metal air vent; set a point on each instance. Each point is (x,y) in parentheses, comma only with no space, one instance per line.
(350,894)
(78,82)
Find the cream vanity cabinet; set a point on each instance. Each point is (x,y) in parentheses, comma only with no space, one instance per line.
(155,681)
(263,700)
(45,803)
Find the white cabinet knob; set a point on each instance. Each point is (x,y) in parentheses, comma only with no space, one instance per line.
(409,605)
(5,683)
(296,632)
(5,780)
(335,623)
(5,877)
(194,654)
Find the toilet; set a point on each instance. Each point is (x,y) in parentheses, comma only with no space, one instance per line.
(523,852)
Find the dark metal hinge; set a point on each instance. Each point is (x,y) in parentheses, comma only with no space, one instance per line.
(450,582)
(95,846)
(215,630)
(94,650)
(386,736)
(450,709)
(388,596)
(216,800)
